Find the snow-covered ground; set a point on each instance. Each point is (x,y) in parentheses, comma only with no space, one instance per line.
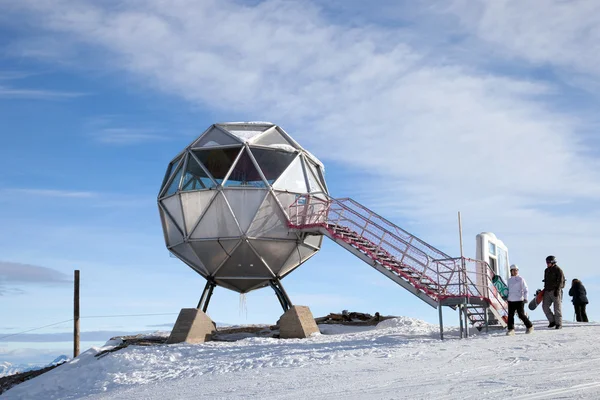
(401,358)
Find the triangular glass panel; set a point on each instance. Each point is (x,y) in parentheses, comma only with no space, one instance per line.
(194,204)
(321,176)
(317,177)
(245,285)
(243,263)
(270,221)
(272,137)
(173,206)
(218,162)
(298,256)
(195,178)
(185,253)
(215,137)
(170,169)
(272,162)
(174,184)
(245,132)
(292,179)
(244,174)
(244,204)
(217,221)
(274,252)
(212,253)
(313,181)
(172,234)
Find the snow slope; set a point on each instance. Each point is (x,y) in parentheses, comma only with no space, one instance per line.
(400,359)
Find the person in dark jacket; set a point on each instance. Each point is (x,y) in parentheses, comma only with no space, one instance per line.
(554,282)
(580,300)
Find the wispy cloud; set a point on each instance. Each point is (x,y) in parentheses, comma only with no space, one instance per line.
(16,274)
(40,193)
(37,94)
(126,136)
(440,128)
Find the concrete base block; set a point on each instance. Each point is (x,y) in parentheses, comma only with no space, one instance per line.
(192,326)
(297,322)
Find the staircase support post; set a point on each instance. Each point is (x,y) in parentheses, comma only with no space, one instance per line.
(441,321)
(466,315)
(460,320)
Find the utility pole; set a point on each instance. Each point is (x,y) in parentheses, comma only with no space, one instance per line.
(76,316)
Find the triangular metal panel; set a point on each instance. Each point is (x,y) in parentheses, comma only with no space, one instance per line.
(195,177)
(215,137)
(298,256)
(245,132)
(217,221)
(245,285)
(227,285)
(185,252)
(271,137)
(244,173)
(274,252)
(288,199)
(270,221)
(173,206)
(212,253)
(194,204)
(173,235)
(244,204)
(292,179)
(313,240)
(243,262)
(288,138)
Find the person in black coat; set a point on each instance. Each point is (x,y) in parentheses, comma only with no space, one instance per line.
(580,300)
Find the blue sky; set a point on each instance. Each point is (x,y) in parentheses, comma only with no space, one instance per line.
(417,110)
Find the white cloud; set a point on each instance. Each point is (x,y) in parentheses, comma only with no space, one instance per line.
(437,132)
(564,34)
(41,193)
(126,136)
(37,94)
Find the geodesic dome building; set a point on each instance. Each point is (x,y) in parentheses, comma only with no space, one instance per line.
(224,205)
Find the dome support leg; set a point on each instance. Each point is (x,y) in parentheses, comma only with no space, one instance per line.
(282,296)
(206,295)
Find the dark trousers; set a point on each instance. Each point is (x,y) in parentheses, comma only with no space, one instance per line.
(518,307)
(580,312)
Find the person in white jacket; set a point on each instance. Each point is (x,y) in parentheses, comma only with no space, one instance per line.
(517,298)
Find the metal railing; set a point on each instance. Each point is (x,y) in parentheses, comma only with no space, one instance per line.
(453,277)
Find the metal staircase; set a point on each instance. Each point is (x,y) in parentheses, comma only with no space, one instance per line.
(428,273)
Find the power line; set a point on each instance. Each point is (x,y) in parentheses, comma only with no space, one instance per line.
(91,316)
(127,315)
(35,329)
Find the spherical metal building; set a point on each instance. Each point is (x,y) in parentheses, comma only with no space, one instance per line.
(225,202)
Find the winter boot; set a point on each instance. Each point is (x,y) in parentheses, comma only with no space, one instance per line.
(558,327)
(552,324)
(529,330)
(511,332)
